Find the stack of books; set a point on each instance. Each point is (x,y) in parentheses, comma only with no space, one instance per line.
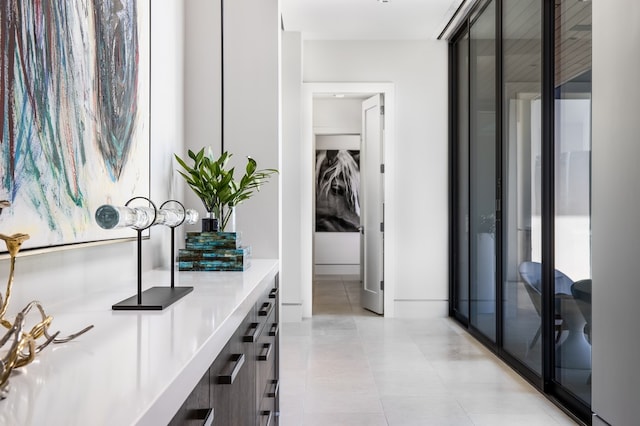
(214,251)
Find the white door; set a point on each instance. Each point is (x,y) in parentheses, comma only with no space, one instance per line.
(372,204)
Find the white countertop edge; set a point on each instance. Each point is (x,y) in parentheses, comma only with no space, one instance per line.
(134,367)
(171,399)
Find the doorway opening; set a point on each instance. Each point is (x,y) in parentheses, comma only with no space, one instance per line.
(338,118)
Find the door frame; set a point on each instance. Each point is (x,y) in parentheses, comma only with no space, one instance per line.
(308,169)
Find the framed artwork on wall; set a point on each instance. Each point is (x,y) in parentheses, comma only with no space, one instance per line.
(74,115)
(337,190)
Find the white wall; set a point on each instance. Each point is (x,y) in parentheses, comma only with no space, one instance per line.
(202,86)
(250,57)
(251,104)
(336,253)
(61,275)
(291,177)
(615,206)
(418,69)
(337,115)
(167,111)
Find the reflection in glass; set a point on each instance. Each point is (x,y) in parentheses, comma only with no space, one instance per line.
(573,194)
(522,291)
(482,166)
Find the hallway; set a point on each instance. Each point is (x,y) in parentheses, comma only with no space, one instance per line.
(347,366)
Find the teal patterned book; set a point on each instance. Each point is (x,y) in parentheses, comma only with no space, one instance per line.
(213,251)
(209,240)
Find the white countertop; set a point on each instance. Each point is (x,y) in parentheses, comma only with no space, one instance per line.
(133,367)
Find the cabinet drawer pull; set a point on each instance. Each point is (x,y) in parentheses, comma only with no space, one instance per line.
(208,420)
(268,416)
(273,293)
(237,361)
(265,353)
(265,309)
(251,336)
(275,387)
(273,331)
(204,414)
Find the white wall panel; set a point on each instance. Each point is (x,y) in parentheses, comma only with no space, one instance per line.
(202,86)
(331,115)
(251,103)
(418,244)
(337,248)
(290,174)
(615,206)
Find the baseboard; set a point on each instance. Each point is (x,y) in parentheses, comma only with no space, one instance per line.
(336,269)
(291,312)
(597,421)
(407,308)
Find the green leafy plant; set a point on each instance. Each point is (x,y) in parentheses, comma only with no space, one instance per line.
(215,185)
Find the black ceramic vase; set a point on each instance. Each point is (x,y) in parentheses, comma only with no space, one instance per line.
(209,223)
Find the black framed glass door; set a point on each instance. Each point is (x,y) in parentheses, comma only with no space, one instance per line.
(460,175)
(482,171)
(521,121)
(521,144)
(572,192)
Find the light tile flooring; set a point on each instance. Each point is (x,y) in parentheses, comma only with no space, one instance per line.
(347,366)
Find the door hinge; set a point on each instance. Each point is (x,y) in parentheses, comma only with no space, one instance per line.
(381,226)
(382,285)
(381,168)
(381,109)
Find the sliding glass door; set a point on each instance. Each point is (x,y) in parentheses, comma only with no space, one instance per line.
(572,221)
(521,286)
(460,176)
(521,145)
(482,172)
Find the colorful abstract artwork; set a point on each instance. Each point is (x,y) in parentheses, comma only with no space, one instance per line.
(74,115)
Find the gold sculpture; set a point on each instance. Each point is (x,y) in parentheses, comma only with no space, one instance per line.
(22,344)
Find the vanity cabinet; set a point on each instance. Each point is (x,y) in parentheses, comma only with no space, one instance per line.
(267,346)
(154,368)
(241,385)
(197,409)
(233,380)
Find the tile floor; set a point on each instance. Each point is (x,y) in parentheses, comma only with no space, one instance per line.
(347,366)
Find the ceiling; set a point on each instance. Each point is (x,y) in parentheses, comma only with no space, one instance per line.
(367,19)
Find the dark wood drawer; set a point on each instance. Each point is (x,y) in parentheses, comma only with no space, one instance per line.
(197,408)
(241,386)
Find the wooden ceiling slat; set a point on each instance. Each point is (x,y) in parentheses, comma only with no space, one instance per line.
(522,44)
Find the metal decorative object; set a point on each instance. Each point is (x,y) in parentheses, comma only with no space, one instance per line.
(140,218)
(22,345)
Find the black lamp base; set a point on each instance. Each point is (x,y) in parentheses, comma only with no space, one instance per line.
(153,299)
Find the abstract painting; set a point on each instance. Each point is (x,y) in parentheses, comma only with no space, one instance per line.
(337,190)
(74,115)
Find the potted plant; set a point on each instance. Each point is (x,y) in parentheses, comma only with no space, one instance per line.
(215,185)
